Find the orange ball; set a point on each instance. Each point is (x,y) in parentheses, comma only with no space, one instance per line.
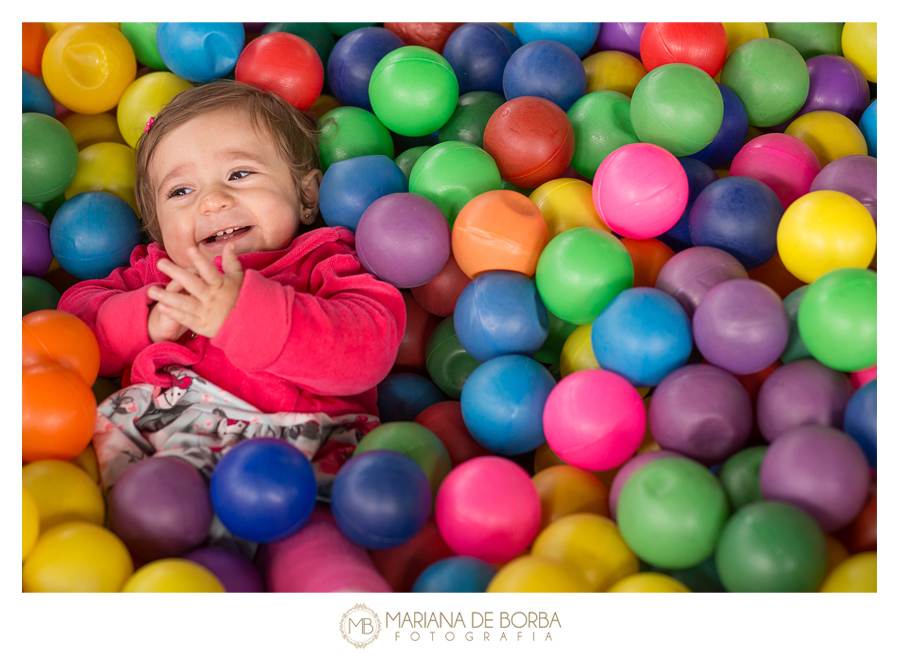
(34,39)
(648,256)
(566,489)
(499,230)
(59,337)
(58,413)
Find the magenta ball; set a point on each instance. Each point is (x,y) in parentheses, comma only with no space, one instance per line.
(404,239)
(640,190)
(856,175)
(594,419)
(783,162)
(819,469)
(36,253)
(488,508)
(702,412)
(236,573)
(624,37)
(627,470)
(799,393)
(741,326)
(690,274)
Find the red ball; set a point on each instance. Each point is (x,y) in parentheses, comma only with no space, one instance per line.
(402,565)
(445,419)
(429,35)
(439,295)
(705,45)
(284,64)
(531,140)
(419,325)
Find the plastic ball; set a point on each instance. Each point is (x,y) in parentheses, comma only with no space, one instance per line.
(580,37)
(732,133)
(350,186)
(36,253)
(671,512)
(829,134)
(455,574)
(529,573)
(77,557)
(285,65)
(38,295)
(58,412)
(856,175)
(739,476)
(627,470)
(551,351)
(49,158)
(692,273)
(173,575)
(93,233)
(640,190)
(403,396)
(810,39)
(142,37)
(859,43)
(700,176)
(445,419)
(861,420)
(545,69)
(857,573)
(784,163)
(63,492)
(236,573)
(31,522)
(837,319)
(478,53)
(90,129)
(836,84)
(768,546)
(105,167)
(200,52)
(35,97)
(795,349)
(380,499)
(740,33)
(565,490)
(611,70)
(420,324)
(566,203)
(488,508)
(433,36)
(34,40)
(625,37)
(143,99)
(649,583)
(351,132)
(469,120)
(352,61)
(703,45)
(87,66)
(408,158)
(601,121)
(869,127)
(439,295)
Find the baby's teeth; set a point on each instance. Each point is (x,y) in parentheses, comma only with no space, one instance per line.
(230,230)
(221,233)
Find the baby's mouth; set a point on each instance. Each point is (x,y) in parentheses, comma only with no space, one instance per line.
(228,233)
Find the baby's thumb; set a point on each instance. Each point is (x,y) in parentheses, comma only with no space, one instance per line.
(230,262)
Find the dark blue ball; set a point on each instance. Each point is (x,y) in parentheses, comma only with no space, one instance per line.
(380,499)
(263,489)
(478,53)
(352,61)
(547,69)
(861,420)
(402,396)
(732,134)
(35,97)
(739,215)
(200,52)
(349,186)
(455,574)
(699,175)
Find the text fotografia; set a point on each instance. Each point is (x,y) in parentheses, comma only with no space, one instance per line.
(479,626)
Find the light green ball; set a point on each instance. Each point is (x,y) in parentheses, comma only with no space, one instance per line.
(351,132)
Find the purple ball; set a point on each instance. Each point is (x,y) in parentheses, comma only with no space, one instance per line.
(741,326)
(160,508)
(799,393)
(856,175)
(237,574)
(625,37)
(404,239)
(835,84)
(36,253)
(627,470)
(821,470)
(702,412)
(690,274)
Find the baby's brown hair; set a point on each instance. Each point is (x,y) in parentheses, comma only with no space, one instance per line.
(294,132)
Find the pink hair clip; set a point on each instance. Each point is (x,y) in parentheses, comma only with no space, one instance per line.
(149,123)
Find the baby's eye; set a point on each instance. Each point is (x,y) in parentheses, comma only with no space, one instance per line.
(239,174)
(179,191)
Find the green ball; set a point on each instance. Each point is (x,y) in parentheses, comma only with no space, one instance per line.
(408,159)
(671,512)
(771,79)
(796,349)
(340,29)
(768,546)
(38,295)
(413,91)
(447,362)
(142,37)
(580,271)
(678,107)
(453,173)
(469,119)
(739,476)
(49,157)
(552,348)
(810,39)
(350,132)
(48,208)
(838,319)
(315,34)
(601,122)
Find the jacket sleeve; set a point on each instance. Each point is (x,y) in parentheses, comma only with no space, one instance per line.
(340,338)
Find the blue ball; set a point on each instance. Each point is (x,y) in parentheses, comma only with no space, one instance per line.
(455,574)
(732,134)
(35,97)
(699,175)
(580,37)
(352,61)
(500,312)
(739,215)
(502,403)
(380,499)
(547,69)
(861,420)
(93,233)
(868,124)
(349,186)
(478,53)
(200,52)
(263,489)
(403,395)
(642,335)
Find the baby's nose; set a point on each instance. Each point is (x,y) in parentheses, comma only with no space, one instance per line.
(216,201)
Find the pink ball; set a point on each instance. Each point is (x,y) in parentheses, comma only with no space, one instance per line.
(860,378)
(640,190)
(627,470)
(783,162)
(594,419)
(488,508)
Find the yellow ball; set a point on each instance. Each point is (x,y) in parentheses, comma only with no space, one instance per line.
(173,575)
(90,129)
(31,522)
(529,573)
(324,104)
(77,557)
(63,492)
(739,33)
(592,545)
(649,583)
(613,70)
(858,573)
(53,28)
(577,352)
(829,134)
(859,41)
(823,231)
(144,98)
(86,460)
(87,66)
(566,203)
(106,167)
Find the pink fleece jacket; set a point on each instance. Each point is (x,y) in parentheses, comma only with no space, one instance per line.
(311,331)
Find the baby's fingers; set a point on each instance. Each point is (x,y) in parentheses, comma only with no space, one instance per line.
(174,300)
(230,262)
